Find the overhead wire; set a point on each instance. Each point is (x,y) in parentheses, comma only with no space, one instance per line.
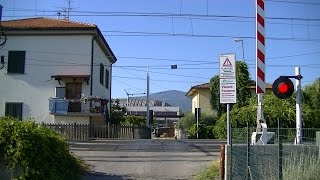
(170,15)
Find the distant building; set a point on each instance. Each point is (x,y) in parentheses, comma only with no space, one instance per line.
(163,113)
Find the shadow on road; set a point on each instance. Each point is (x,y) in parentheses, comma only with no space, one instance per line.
(103,176)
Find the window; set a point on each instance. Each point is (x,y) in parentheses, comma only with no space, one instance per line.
(13,110)
(60,92)
(16,61)
(107,79)
(101,73)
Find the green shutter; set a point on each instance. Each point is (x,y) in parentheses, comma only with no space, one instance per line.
(14,110)
(16,61)
(101,73)
(107,79)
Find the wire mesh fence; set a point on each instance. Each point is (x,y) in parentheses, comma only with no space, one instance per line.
(281,159)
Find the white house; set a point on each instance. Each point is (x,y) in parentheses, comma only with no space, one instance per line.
(57,62)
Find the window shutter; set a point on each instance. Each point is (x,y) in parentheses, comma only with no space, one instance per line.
(16,61)
(14,110)
(101,73)
(107,79)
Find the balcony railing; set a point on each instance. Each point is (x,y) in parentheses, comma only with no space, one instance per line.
(59,106)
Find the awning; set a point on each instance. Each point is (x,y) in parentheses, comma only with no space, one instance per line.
(74,77)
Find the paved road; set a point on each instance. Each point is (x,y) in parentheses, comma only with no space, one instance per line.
(146,159)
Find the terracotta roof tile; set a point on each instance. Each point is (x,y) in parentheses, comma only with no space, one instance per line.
(45,23)
(201,86)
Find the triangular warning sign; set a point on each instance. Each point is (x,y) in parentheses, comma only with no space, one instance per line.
(227,62)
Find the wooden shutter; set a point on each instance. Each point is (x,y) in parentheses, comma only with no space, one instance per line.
(107,79)
(16,61)
(14,110)
(101,73)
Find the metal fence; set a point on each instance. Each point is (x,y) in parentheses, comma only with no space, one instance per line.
(86,131)
(281,159)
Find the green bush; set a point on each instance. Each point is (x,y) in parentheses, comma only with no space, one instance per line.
(131,120)
(38,151)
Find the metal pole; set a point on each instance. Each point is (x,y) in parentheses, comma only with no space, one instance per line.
(280,149)
(242,51)
(298,107)
(197,122)
(228,124)
(260,117)
(148,106)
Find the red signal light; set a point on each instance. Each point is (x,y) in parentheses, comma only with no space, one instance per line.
(282,87)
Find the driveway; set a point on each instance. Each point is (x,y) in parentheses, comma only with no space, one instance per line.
(146,159)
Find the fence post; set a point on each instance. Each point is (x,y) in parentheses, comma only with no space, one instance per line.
(318,141)
(248,151)
(280,151)
(108,130)
(222,161)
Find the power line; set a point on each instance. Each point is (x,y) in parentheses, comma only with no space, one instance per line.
(168,15)
(161,80)
(163,34)
(204,61)
(171,74)
(294,2)
(128,84)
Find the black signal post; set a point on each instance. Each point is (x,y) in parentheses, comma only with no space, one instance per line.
(283,87)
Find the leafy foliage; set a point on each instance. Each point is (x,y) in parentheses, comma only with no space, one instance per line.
(134,121)
(40,152)
(206,125)
(117,112)
(274,109)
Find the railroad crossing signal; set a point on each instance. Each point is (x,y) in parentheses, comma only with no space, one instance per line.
(282,87)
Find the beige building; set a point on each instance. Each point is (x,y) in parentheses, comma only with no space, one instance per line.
(200,95)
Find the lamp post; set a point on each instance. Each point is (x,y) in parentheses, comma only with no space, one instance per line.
(240,40)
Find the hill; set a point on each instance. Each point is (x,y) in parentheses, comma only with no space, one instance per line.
(173,97)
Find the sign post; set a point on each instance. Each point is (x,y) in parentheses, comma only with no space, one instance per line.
(228,92)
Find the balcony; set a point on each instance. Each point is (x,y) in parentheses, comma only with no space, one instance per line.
(66,107)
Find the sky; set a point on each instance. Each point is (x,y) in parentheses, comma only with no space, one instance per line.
(153,35)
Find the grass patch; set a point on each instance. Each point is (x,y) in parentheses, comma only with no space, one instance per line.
(211,172)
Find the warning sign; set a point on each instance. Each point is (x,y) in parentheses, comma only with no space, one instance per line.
(227,66)
(228,92)
(227,63)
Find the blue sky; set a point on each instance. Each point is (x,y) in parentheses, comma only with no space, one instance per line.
(191,34)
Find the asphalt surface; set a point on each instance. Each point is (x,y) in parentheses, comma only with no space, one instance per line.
(146,159)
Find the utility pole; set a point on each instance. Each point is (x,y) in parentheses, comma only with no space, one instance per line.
(148,101)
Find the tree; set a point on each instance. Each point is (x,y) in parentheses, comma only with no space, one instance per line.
(311,95)
(243,91)
(117,112)
(206,125)
(274,109)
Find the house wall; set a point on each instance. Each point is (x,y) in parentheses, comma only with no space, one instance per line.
(45,56)
(100,57)
(195,101)
(204,101)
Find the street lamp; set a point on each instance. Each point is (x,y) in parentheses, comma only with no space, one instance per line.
(240,40)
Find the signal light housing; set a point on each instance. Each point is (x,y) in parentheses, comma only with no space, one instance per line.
(282,87)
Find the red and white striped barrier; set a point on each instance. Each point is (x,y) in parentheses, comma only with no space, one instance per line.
(260,54)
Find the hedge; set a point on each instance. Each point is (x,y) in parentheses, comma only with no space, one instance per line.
(39,152)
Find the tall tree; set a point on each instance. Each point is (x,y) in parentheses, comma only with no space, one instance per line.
(243,91)
(311,95)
